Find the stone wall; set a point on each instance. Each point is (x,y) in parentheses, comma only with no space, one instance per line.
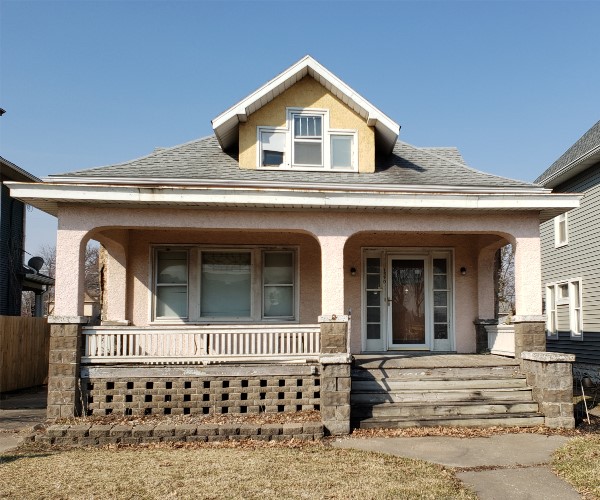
(87,434)
(530,334)
(550,376)
(204,390)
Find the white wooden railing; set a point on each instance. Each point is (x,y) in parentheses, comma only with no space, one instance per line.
(200,344)
(501,339)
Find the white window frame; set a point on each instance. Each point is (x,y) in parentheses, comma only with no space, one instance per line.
(194,284)
(327,133)
(156,284)
(558,220)
(293,284)
(575,312)
(551,312)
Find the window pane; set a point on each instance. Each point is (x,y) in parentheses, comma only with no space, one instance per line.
(307,126)
(440,298)
(440,315)
(226,284)
(272,158)
(562,231)
(373,298)
(372,280)
(171,301)
(341,151)
(273,141)
(440,332)
(440,282)
(563,291)
(373,332)
(172,267)
(279,301)
(307,153)
(575,285)
(279,268)
(439,266)
(373,314)
(373,265)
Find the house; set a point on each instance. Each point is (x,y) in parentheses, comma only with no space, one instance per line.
(250,265)
(14,277)
(571,256)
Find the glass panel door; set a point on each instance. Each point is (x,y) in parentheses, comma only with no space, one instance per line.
(407,302)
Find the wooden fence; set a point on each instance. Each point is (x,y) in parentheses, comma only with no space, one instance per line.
(24,350)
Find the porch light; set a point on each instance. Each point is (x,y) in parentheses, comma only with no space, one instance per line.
(463,270)
(352,271)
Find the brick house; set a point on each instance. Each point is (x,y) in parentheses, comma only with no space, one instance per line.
(245,269)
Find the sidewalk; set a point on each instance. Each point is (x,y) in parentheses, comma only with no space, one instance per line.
(20,410)
(499,467)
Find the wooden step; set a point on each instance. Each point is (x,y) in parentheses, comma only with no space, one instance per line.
(390,385)
(435,373)
(481,395)
(515,419)
(395,410)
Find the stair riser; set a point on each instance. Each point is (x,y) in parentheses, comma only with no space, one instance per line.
(523,395)
(442,410)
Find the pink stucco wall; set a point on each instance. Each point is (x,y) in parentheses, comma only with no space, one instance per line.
(332,239)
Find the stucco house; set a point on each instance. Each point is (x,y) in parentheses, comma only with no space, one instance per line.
(245,268)
(571,256)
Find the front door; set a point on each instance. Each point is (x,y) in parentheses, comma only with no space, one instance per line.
(408,302)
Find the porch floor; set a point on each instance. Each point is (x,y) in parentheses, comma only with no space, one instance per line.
(430,360)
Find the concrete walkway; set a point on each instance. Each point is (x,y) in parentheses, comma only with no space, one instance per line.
(499,467)
(20,410)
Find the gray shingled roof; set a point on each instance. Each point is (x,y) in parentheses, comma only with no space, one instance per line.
(203,159)
(586,143)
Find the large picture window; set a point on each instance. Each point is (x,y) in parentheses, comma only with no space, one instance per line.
(199,284)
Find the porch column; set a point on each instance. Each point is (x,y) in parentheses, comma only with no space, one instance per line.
(69,287)
(114,278)
(530,328)
(332,274)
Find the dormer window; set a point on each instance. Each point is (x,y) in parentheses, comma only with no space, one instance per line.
(307,143)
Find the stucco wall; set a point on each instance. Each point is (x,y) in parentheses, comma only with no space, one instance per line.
(307,93)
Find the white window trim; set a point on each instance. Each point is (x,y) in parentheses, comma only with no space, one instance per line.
(327,132)
(551,312)
(576,327)
(576,330)
(557,221)
(195,282)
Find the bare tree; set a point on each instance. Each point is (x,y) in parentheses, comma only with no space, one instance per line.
(505,280)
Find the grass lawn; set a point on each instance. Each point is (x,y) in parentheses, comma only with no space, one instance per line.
(579,463)
(311,471)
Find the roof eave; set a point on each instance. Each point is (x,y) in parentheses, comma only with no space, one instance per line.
(573,168)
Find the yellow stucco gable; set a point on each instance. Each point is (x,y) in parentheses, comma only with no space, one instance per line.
(307,93)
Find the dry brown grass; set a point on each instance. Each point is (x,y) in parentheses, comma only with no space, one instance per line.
(579,463)
(263,471)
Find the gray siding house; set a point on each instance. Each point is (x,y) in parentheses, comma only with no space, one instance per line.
(571,256)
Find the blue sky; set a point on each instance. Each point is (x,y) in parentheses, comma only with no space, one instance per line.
(89,83)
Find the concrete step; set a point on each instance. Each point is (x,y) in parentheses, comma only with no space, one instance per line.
(515,419)
(436,373)
(391,385)
(395,410)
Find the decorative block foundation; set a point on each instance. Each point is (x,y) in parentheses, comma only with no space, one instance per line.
(206,390)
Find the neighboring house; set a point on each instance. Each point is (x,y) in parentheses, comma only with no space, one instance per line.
(14,277)
(571,256)
(254,244)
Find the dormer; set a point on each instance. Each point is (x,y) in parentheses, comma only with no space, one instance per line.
(306,119)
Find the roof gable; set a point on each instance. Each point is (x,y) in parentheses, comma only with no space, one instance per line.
(226,124)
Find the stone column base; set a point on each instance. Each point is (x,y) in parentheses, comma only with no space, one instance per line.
(550,375)
(336,385)
(530,334)
(64,395)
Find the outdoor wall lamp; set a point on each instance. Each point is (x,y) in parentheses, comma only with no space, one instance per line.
(352,271)
(463,270)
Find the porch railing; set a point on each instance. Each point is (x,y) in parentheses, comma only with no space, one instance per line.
(501,339)
(200,344)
